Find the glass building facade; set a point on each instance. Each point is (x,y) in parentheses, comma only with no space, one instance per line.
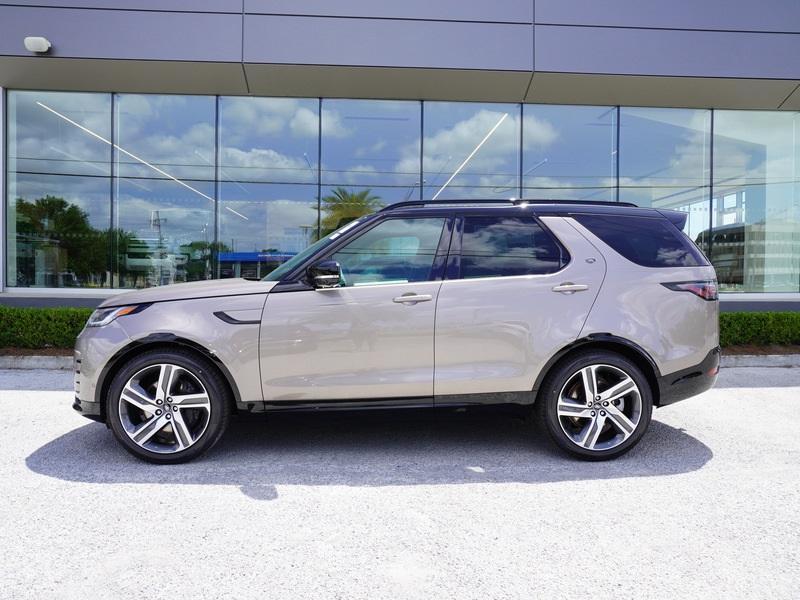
(134,190)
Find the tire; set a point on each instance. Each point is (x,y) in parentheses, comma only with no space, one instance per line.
(168,406)
(606,425)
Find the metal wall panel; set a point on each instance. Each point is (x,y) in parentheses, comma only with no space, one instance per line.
(89,33)
(500,11)
(730,15)
(221,6)
(667,52)
(387,43)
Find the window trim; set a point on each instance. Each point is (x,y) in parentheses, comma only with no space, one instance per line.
(295,281)
(453,271)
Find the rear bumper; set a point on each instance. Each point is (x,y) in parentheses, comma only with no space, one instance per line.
(689,382)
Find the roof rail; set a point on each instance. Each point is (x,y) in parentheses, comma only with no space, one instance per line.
(514,201)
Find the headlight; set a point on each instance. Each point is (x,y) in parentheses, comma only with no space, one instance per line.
(104,316)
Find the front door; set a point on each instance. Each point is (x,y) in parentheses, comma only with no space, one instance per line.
(370,338)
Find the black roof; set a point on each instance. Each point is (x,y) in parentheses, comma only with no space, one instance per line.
(536,206)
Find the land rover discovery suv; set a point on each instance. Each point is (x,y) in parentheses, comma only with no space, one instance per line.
(589,314)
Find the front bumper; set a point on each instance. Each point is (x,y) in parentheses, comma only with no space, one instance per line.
(689,382)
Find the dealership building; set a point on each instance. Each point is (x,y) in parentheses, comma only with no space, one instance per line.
(177,140)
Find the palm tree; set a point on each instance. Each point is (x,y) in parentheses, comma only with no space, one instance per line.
(343,206)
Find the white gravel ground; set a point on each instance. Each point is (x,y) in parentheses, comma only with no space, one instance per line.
(388,505)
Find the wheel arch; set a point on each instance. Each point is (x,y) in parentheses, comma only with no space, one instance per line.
(159,340)
(611,343)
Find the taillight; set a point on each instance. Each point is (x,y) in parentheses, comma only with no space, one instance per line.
(707,290)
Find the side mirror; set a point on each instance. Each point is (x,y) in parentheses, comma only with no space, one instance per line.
(325,274)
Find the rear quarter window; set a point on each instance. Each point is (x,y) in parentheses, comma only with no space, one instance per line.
(646,241)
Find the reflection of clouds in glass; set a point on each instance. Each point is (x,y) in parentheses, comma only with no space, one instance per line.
(175,133)
(379,133)
(90,194)
(42,142)
(276,218)
(268,139)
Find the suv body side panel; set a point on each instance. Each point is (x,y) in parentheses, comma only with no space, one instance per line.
(495,334)
(348,343)
(235,344)
(677,329)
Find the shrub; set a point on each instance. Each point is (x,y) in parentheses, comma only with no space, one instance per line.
(41,327)
(759,328)
(58,327)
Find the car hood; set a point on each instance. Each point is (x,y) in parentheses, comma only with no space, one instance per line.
(186,291)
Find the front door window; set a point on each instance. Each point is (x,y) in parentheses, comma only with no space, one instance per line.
(394,251)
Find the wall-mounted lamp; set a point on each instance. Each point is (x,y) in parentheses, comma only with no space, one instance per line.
(39,45)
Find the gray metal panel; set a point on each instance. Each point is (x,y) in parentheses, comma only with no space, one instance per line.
(2,189)
(502,11)
(388,83)
(792,101)
(88,33)
(142,76)
(387,43)
(667,52)
(223,6)
(632,90)
(734,15)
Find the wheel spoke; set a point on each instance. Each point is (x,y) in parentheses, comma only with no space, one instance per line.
(620,420)
(624,387)
(589,377)
(182,435)
(192,401)
(593,432)
(166,377)
(142,434)
(139,400)
(570,408)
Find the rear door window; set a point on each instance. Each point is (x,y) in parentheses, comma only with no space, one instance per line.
(500,246)
(646,241)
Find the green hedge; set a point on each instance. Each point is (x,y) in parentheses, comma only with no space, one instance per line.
(759,328)
(57,327)
(41,327)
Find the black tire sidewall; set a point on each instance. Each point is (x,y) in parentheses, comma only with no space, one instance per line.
(208,376)
(555,381)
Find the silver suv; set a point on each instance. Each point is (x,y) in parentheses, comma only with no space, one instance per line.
(590,314)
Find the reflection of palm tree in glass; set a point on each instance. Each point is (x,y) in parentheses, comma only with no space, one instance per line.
(343,206)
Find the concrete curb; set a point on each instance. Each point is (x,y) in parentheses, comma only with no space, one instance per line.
(743,360)
(764,360)
(36,362)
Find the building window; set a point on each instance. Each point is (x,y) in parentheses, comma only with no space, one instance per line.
(664,161)
(268,169)
(755,238)
(470,150)
(569,152)
(370,157)
(59,187)
(164,213)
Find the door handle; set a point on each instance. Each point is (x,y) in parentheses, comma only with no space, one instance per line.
(570,288)
(412,298)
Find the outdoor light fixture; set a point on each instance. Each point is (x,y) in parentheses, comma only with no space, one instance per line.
(39,45)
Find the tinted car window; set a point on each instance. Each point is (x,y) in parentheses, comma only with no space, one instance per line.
(394,251)
(499,246)
(647,241)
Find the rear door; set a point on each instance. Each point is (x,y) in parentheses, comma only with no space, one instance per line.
(517,289)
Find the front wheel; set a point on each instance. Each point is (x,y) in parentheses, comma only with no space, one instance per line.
(167,406)
(596,405)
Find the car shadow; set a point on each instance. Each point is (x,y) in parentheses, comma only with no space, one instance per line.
(389,448)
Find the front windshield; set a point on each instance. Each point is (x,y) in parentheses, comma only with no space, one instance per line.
(297,259)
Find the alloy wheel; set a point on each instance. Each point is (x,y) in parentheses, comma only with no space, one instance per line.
(599,407)
(164,408)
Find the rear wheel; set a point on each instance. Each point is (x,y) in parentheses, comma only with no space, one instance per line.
(596,405)
(167,406)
